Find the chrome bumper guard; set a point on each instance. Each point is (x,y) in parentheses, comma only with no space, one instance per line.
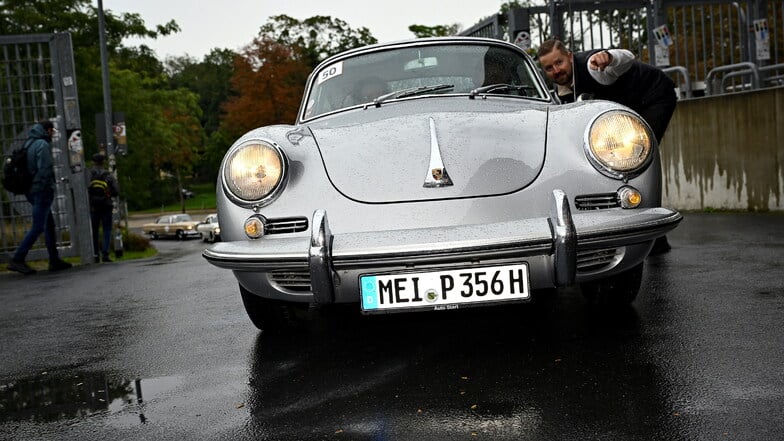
(519,238)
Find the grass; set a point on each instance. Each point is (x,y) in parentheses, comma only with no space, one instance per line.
(204,199)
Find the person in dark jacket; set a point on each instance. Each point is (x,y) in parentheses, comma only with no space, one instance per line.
(103,183)
(41,196)
(613,75)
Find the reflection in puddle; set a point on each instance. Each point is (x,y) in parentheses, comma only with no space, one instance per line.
(51,398)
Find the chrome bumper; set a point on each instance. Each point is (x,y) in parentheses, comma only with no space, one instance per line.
(559,235)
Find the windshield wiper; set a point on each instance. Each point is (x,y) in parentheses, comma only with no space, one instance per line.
(412,91)
(499,88)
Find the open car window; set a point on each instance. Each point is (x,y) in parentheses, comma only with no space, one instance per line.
(361,79)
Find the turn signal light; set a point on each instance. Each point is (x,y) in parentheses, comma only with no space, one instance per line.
(254,227)
(629,197)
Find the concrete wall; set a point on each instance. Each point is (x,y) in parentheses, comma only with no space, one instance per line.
(726,152)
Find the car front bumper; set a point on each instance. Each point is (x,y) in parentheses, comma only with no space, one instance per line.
(552,246)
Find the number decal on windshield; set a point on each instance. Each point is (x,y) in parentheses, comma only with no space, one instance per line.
(331,71)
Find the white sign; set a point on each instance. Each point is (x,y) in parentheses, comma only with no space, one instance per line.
(762,39)
(331,71)
(663,36)
(662,55)
(523,40)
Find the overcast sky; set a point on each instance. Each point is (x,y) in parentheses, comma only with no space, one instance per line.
(234,24)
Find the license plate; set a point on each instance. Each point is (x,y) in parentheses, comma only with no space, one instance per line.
(445,289)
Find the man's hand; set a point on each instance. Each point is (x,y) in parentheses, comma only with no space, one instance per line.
(600,60)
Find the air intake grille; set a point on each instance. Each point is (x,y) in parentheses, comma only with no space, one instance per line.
(286,225)
(597,201)
(292,280)
(595,259)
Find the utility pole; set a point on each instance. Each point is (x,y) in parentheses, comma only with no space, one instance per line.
(109,129)
(107,94)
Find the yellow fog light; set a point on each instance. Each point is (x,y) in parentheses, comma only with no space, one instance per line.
(629,197)
(254,227)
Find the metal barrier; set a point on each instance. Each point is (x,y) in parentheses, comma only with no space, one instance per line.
(684,73)
(772,80)
(735,70)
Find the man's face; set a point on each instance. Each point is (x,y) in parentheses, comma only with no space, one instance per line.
(557,67)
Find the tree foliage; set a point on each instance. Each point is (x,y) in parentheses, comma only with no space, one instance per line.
(422,31)
(269,80)
(316,37)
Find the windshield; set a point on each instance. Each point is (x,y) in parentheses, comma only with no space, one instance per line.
(388,74)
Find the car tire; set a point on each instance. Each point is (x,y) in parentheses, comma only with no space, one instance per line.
(180,235)
(153,235)
(614,291)
(273,316)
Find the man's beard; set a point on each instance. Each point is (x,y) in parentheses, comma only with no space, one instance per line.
(564,79)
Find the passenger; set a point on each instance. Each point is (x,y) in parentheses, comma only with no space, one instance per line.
(366,90)
(496,69)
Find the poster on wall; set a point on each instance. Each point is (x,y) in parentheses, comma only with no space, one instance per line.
(662,49)
(762,39)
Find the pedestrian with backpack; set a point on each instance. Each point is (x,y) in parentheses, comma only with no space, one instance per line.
(41,196)
(101,189)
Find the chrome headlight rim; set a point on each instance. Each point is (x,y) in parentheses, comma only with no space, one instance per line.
(623,175)
(272,194)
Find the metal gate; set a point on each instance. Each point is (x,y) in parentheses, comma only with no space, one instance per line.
(38,82)
(712,45)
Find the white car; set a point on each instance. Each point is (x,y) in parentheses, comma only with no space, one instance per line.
(209,228)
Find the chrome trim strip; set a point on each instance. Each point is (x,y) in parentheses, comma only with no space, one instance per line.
(319,256)
(564,239)
(436,172)
(598,229)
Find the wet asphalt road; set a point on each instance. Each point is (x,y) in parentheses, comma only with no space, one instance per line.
(162,349)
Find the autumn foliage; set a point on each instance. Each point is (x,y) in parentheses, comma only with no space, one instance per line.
(268,82)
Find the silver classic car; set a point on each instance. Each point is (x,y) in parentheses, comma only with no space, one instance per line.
(437,174)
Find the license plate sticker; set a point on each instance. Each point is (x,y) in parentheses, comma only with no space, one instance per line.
(445,289)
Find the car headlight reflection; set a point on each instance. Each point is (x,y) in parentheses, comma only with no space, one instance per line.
(619,143)
(254,171)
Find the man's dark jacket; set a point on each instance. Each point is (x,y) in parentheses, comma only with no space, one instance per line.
(644,88)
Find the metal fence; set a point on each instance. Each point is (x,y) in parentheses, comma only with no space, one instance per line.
(708,47)
(37,82)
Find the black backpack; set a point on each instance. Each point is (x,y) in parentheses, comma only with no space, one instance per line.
(100,191)
(16,177)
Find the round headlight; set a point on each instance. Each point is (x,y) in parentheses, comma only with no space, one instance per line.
(620,143)
(253,171)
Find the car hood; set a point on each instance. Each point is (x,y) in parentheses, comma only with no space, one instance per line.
(383,155)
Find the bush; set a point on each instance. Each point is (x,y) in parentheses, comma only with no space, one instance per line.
(135,242)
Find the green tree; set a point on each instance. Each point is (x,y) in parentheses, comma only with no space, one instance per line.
(317,37)
(210,79)
(422,31)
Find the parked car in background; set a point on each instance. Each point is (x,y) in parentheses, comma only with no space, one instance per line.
(181,226)
(209,228)
(437,174)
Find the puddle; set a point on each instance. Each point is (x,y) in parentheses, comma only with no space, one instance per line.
(49,398)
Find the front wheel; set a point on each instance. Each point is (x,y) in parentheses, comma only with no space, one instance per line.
(618,290)
(273,315)
(180,235)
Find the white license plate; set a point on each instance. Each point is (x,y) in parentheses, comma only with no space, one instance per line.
(446,289)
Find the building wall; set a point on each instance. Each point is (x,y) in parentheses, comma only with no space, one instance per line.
(726,152)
